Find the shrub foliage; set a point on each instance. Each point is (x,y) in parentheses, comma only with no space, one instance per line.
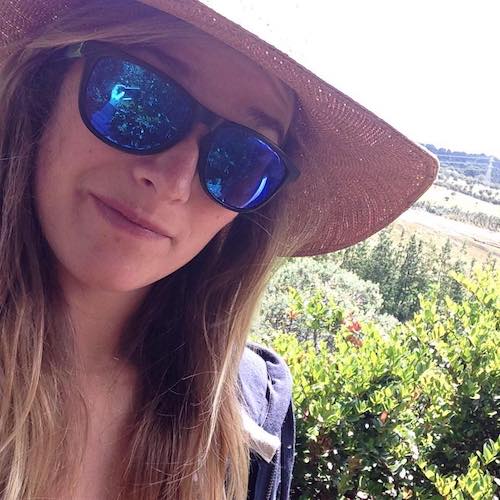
(310,297)
(411,412)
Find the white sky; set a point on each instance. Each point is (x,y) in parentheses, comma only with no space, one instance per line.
(429,68)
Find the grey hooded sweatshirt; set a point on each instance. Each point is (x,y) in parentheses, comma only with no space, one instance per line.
(266,386)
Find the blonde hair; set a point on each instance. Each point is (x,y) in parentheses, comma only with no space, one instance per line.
(186,435)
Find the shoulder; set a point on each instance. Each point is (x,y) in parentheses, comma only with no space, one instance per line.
(266,385)
(267,410)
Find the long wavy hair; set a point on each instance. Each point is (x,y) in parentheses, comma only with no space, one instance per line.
(186,438)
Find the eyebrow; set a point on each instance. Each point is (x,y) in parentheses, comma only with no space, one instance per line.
(262,119)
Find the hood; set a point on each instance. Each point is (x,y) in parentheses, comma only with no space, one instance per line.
(266,389)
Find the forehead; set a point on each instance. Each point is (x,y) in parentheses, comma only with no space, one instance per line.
(224,81)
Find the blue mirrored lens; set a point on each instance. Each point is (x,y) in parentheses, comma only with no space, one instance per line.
(134,107)
(242,171)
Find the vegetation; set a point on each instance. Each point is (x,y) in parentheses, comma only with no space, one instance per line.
(404,268)
(317,279)
(406,411)
(378,280)
(478,219)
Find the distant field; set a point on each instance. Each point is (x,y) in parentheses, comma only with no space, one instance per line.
(479,242)
(442,196)
(437,229)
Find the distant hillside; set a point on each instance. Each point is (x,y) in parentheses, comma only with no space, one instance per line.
(482,168)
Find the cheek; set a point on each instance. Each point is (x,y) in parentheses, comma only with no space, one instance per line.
(207,223)
(47,185)
(206,217)
(52,179)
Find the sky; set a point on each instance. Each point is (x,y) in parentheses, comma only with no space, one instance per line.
(429,68)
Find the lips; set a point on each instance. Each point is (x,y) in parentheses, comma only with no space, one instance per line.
(131,215)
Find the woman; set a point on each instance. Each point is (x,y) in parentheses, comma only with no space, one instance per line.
(150,178)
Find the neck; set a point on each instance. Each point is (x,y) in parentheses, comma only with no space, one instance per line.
(99,318)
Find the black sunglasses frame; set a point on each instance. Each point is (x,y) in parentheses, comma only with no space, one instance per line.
(92,51)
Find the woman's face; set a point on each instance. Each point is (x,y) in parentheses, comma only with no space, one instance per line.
(75,170)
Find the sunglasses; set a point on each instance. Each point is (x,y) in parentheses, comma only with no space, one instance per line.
(132,106)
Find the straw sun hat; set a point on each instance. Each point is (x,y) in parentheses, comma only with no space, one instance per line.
(358,173)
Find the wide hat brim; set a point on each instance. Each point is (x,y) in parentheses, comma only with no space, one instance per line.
(358,173)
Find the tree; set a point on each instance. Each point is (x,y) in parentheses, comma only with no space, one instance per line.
(356,258)
(383,267)
(412,281)
(441,268)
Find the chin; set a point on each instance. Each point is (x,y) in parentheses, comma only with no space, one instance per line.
(111,278)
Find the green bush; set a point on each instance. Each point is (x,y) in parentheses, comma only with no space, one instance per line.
(308,296)
(411,413)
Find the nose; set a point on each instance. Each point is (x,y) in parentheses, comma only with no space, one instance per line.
(170,174)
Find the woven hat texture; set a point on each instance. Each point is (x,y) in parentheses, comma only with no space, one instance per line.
(358,173)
